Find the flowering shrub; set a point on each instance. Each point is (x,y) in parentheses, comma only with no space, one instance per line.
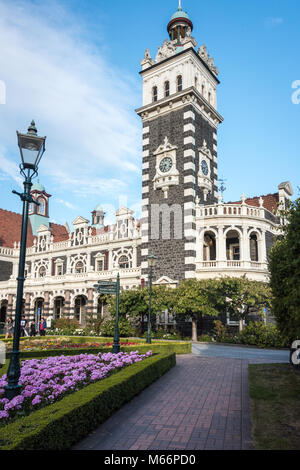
(45,381)
(60,343)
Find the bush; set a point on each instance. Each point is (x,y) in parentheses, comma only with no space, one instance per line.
(263,336)
(163,334)
(66,324)
(59,426)
(125,329)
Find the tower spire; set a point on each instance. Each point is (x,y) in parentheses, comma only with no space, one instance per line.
(179,5)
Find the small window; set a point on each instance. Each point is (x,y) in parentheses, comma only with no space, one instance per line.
(209,97)
(42,271)
(100,265)
(41,207)
(179,83)
(167,89)
(196,82)
(154,93)
(59,270)
(203,90)
(124,262)
(79,267)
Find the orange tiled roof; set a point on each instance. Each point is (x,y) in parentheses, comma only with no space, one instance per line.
(270,202)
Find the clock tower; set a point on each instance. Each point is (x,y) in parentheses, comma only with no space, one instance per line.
(180,122)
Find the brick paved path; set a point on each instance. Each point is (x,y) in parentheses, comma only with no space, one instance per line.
(202,403)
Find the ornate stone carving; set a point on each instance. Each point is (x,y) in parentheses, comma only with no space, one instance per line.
(166,50)
(202,52)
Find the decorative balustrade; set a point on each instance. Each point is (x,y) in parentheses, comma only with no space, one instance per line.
(6,251)
(229,264)
(231,210)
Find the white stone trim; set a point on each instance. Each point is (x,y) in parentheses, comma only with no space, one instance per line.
(189,166)
(145,142)
(190,260)
(144,265)
(190,233)
(144,252)
(145,239)
(189,127)
(145,166)
(146,130)
(215,147)
(189,219)
(189,140)
(189,179)
(145,177)
(145,202)
(189,153)
(189,205)
(189,115)
(189,192)
(145,153)
(145,190)
(190,246)
(189,274)
(215,136)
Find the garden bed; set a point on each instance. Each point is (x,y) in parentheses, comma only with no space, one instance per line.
(62,424)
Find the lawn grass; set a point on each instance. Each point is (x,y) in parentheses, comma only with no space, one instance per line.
(275,406)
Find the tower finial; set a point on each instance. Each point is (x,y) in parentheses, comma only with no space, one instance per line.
(179,5)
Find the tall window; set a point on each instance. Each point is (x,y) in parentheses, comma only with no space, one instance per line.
(196,82)
(209,97)
(167,88)
(179,83)
(154,93)
(79,267)
(124,262)
(100,265)
(41,207)
(203,89)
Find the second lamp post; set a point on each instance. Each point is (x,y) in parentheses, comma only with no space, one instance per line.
(151,263)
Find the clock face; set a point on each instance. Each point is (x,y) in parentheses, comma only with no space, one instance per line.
(166,164)
(204,167)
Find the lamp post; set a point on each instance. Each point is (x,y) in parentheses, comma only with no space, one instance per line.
(151,263)
(32,148)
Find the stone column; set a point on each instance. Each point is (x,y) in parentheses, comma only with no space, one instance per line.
(67,306)
(263,251)
(221,246)
(9,306)
(27,307)
(46,304)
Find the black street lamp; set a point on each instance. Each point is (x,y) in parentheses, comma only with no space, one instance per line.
(32,148)
(151,263)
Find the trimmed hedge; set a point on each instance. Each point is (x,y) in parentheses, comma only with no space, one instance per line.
(61,425)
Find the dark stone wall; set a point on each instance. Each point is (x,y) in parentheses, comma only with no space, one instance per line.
(269,242)
(6,269)
(170,252)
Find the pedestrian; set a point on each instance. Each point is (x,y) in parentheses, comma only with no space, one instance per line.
(32,329)
(42,327)
(23,326)
(9,328)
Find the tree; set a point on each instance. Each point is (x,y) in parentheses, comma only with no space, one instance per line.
(284,266)
(195,298)
(239,295)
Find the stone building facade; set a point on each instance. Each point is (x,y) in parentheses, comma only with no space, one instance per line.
(185,221)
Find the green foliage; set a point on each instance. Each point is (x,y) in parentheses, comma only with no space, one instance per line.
(263,336)
(66,324)
(125,328)
(284,266)
(239,295)
(59,426)
(196,297)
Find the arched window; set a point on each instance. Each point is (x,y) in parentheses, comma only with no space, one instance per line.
(154,93)
(31,208)
(124,262)
(42,271)
(42,206)
(179,83)
(167,88)
(79,267)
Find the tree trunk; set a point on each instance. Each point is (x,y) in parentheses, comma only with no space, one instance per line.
(241,325)
(194,329)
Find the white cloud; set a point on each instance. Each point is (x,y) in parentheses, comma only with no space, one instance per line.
(81,102)
(272,21)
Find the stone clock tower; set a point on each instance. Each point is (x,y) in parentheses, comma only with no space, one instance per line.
(180,122)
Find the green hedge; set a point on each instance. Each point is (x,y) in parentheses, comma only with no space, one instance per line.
(61,425)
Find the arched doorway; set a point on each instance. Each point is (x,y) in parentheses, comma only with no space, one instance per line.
(58,306)
(80,305)
(101,306)
(209,246)
(253,247)
(233,248)
(38,309)
(3,311)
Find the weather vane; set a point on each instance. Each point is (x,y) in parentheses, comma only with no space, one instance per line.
(222,188)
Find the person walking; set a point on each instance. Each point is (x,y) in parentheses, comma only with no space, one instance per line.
(23,326)
(43,327)
(9,328)
(32,329)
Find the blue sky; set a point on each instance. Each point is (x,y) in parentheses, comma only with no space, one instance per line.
(73,66)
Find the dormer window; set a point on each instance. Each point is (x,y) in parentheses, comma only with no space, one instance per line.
(42,271)
(42,206)
(154,93)
(167,89)
(179,83)
(31,208)
(79,267)
(124,262)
